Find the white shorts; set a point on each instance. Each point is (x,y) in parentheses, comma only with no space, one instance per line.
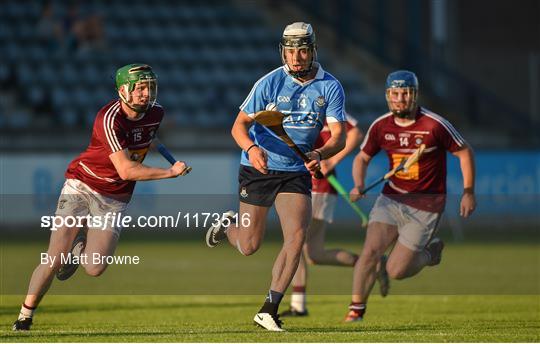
(323,205)
(415,227)
(78,199)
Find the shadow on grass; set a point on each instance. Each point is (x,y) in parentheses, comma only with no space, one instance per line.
(36,334)
(130,306)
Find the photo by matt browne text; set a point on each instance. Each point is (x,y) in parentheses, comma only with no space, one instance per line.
(85,259)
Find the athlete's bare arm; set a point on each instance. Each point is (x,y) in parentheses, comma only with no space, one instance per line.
(239,131)
(338,132)
(360,164)
(466,161)
(353,138)
(132,170)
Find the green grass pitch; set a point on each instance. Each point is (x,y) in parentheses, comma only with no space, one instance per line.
(182,291)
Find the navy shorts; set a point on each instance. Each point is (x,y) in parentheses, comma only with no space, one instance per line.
(261,189)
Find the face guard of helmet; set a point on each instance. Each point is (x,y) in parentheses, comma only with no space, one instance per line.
(137,86)
(402,93)
(298,49)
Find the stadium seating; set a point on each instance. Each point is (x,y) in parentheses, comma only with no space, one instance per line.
(207,55)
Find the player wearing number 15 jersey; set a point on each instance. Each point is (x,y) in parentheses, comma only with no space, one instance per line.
(407,212)
(100,181)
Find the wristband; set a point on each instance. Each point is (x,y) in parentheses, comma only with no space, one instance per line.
(468,191)
(253,145)
(320,155)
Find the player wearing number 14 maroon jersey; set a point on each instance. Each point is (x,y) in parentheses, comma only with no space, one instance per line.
(407,212)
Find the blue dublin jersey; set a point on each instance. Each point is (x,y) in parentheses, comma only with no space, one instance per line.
(307,106)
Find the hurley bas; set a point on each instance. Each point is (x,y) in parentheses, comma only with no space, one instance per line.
(84,258)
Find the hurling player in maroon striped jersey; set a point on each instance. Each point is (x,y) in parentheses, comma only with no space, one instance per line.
(407,212)
(99,183)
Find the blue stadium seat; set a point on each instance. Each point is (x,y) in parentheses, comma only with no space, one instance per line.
(60,98)
(35,95)
(14,9)
(69,75)
(19,119)
(25,73)
(14,51)
(69,117)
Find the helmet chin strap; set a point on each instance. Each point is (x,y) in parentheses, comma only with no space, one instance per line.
(138,109)
(301,73)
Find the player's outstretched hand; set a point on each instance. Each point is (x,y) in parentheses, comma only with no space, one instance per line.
(468,204)
(355,194)
(258,159)
(180,169)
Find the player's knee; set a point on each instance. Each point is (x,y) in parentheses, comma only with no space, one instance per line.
(370,256)
(297,239)
(396,271)
(249,248)
(95,270)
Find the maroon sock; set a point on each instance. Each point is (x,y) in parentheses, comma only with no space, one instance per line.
(299,289)
(358,307)
(28,307)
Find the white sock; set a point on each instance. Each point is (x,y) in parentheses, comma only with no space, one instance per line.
(26,312)
(298,301)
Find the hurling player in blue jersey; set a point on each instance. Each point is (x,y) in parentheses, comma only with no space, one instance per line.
(270,172)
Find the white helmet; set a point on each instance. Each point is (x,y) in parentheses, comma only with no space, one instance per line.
(298,35)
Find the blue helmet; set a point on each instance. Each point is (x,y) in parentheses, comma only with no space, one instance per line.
(402,79)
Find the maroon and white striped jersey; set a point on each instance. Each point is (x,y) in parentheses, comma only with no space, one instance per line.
(112,132)
(423,185)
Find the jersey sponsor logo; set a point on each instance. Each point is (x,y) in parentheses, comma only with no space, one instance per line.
(412,173)
(389,137)
(308,120)
(137,154)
